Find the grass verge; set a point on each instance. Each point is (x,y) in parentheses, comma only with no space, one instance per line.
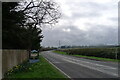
(60,52)
(90,57)
(41,69)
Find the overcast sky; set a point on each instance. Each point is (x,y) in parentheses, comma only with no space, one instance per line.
(84,22)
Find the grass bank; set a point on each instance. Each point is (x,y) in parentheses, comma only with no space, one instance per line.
(41,69)
(90,57)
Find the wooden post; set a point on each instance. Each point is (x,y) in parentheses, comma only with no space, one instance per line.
(29,52)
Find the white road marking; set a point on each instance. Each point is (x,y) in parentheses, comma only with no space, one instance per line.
(107,72)
(104,66)
(58,68)
(94,64)
(101,69)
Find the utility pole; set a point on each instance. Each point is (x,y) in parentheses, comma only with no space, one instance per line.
(59,44)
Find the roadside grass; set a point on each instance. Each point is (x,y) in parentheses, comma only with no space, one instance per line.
(60,52)
(41,69)
(89,57)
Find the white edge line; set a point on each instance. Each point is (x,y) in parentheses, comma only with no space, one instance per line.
(88,62)
(103,71)
(58,69)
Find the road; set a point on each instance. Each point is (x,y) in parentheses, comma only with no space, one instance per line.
(75,67)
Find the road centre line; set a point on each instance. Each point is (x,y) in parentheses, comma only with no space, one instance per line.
(107,72)
(86,62)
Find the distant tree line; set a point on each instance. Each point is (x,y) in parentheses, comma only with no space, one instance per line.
(22,22)
(102,46)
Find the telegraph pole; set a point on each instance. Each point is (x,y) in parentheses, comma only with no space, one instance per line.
(59,44)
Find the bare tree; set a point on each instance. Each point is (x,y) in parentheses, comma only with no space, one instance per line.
(40,12)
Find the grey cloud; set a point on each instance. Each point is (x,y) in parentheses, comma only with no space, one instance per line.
(94,10)
(114,19)
(95,6)
(86,15)
(66,38)
(98,35)
(103,34)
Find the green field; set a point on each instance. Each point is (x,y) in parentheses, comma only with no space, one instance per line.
(106,54)
(41,69)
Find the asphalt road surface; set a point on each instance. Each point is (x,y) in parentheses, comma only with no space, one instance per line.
(75,67)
